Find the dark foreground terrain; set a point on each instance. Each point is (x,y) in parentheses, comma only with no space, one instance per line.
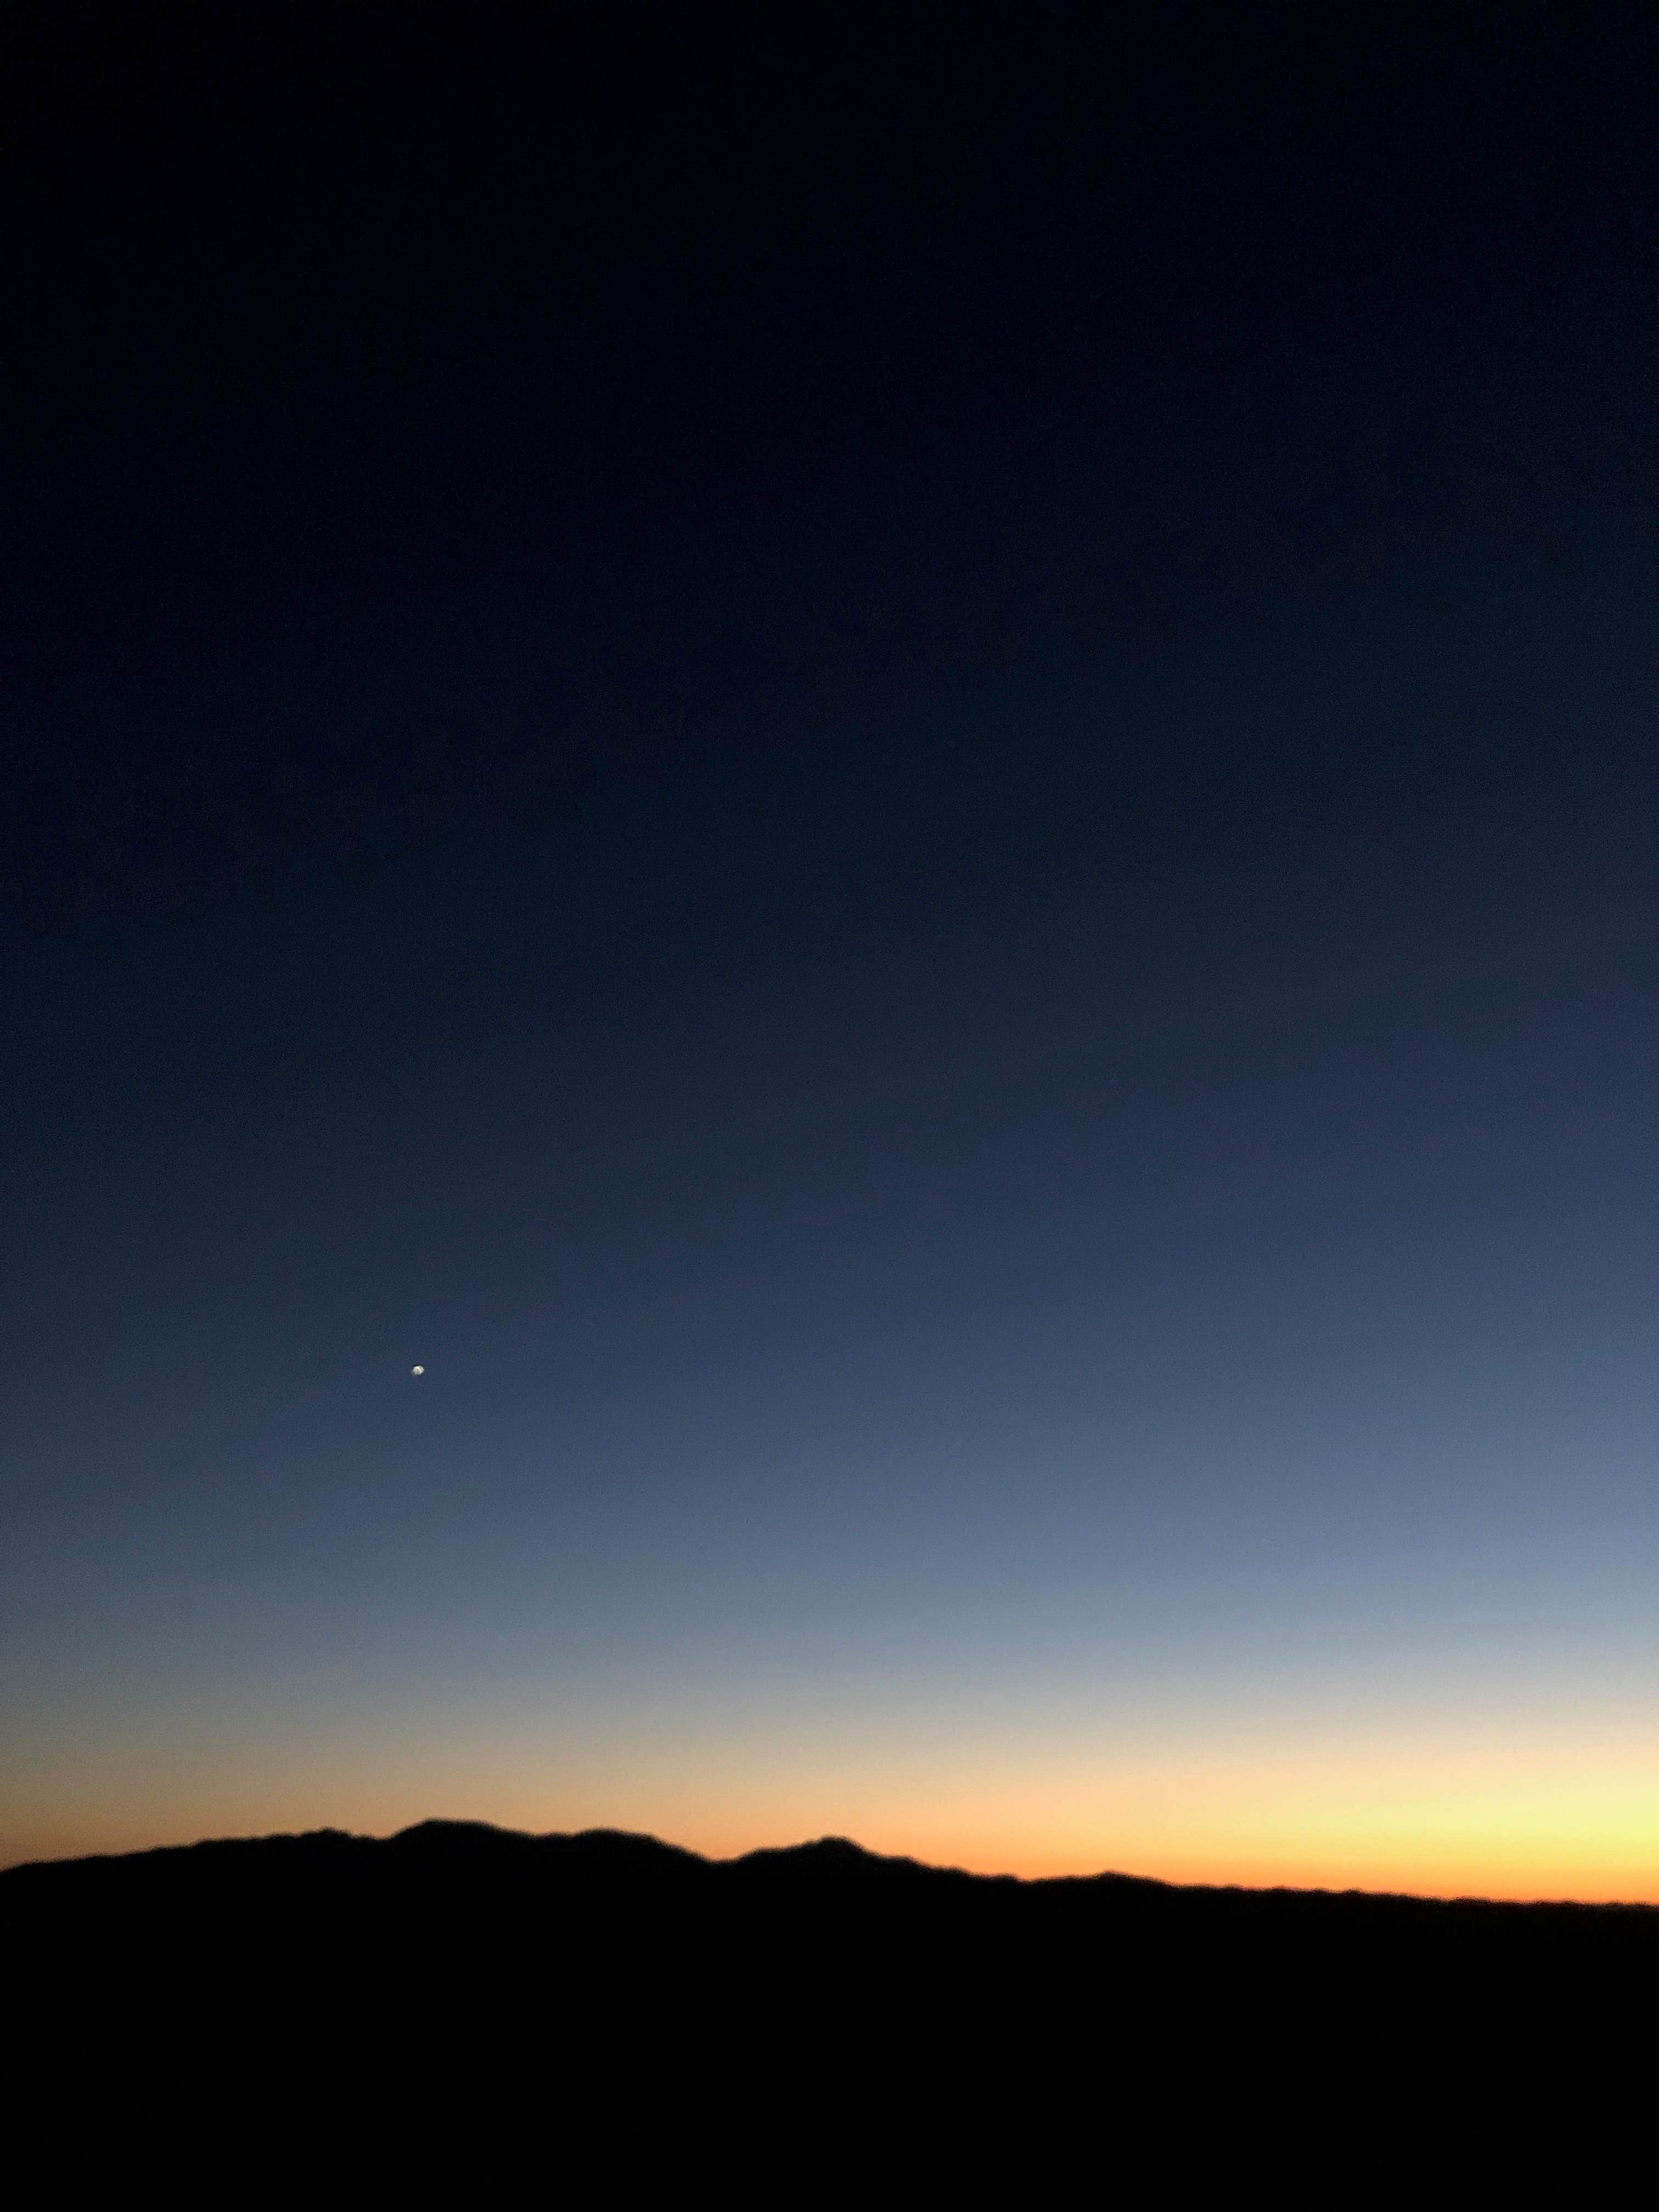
(466,1866)
(463,1898)
(761,2025)
(457,1870)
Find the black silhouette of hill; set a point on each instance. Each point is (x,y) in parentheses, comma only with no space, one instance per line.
(795,2013)
(468,1886)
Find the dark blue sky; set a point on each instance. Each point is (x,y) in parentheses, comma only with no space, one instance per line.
(902,792)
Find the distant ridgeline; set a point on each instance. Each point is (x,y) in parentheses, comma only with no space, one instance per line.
(465,1883)
(609,1971)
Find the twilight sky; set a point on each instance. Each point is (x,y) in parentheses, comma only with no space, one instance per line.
(895,777)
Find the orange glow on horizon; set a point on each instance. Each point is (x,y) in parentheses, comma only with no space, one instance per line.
(1562,1821)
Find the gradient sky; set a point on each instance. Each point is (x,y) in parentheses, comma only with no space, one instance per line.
(897,782)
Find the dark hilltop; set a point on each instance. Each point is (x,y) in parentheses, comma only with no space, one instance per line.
(822,2000)
(587,1890)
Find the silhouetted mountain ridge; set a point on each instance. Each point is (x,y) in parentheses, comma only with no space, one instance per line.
(462,1852)
(616,1963)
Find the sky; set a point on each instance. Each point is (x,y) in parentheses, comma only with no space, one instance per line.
(894,778)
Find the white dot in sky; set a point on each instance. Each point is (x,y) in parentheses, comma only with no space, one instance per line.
(417,1371)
